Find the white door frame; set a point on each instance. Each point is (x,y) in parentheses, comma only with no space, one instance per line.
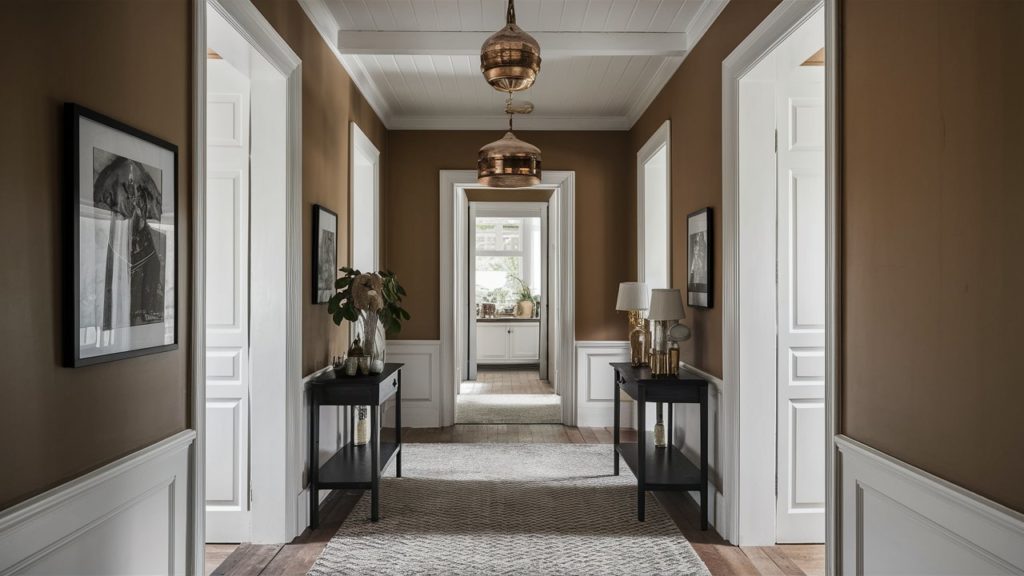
(662,138)
(362,146)
(280,466)
(454,303)
(741,444)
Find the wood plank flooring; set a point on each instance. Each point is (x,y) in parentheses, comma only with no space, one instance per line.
(506,381)
(720,557)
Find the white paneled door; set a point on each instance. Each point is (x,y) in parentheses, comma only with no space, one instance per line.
(227,305)
(800,113)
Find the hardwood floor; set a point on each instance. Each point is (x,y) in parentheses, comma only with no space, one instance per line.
(720,557)
(506,381)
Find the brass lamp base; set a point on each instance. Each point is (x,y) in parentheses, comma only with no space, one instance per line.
(639,339)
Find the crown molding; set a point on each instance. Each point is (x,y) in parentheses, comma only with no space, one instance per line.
(534,122)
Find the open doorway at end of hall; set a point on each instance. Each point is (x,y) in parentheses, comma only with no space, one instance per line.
(508,344)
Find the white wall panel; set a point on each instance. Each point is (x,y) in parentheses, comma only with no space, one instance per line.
(897,519)
(595,384)
(128,517)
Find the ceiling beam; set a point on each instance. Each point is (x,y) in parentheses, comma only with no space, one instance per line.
(551,43)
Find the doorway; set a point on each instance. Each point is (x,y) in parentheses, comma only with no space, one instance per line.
(777,315)
(251,335)
(508,344)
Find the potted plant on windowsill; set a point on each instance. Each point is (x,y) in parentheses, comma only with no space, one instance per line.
(524,307)
(373,302)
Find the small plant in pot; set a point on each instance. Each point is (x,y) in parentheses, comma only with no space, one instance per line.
(373,302)
(524,307)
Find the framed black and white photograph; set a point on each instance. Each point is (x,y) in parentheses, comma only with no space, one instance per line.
(698,259)
(325,253)
(122,229)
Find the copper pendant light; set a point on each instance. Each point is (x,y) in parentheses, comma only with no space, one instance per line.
(510,58)
(509,162)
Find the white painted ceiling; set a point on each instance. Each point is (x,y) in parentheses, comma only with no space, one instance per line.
(417,61)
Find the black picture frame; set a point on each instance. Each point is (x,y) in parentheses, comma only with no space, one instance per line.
(700,252)
(151,292)
(325,265)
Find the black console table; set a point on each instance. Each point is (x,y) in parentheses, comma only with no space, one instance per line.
(662,468)
(354,466)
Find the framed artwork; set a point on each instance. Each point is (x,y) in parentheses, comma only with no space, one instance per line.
(121,262)
(698,259)
(325,253)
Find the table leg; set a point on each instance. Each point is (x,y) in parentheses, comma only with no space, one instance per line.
(374,463)
(641,453)
(352,411)
(398,426)
(615,430)
(704,459)
(314,465)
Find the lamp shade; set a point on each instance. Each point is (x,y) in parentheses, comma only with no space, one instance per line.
(632,296)
(666,304)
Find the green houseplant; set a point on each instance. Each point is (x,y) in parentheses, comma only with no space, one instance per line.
(524,307)
(373,302)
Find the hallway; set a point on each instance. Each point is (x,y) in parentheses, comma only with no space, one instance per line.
(508,395)
(720,557)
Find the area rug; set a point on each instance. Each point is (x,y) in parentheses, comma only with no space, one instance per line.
(508,409)
(505,509)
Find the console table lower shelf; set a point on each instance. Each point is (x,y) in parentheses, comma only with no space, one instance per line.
(352,466)
(667,468)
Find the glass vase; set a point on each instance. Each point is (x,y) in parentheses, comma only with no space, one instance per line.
(374,338)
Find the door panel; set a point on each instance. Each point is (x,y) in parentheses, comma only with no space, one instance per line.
(227,305)
(799,98)
(524,341)
(491,342)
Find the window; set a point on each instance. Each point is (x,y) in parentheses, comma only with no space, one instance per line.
(508,260)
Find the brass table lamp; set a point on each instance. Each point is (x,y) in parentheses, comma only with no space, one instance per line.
(632,299)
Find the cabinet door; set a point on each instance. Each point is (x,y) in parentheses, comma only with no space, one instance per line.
(524,342)
(491,342)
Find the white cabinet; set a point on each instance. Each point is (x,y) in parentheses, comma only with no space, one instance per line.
(507,342)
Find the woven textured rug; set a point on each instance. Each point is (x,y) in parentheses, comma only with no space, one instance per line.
(508,409)
(504,509)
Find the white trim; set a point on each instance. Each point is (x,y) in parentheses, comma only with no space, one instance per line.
(593,373)
(453,204)
(555,44)
(834,290)
(535,121)
(933,524)
(655,85)
(421,380)
(361,145)
(48,527)
(661,139)
(323,20)
(786,16)
(281,436)
(196,525)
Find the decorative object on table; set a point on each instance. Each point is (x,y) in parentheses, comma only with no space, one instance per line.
(325,253)
(698,259)
(525,305)
(121,232)
(362,434)
(666,309)
(510,58)
(338,364)
(633,298)
(659,428)
(676,334)
(355,352)
(373,302)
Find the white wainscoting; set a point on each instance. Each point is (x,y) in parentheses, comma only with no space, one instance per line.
(898,519)
(128,517)
(421,381)
(686,422)
(595,383)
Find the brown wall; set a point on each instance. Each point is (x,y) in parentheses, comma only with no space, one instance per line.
(411,218)
(131,61)
(692,100)
(330,101)
(933,234)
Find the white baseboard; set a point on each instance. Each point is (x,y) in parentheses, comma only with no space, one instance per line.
(128,517)
(595,383)
(898,519)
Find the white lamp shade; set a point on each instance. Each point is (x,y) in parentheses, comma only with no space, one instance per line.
(632,296)
(666,304)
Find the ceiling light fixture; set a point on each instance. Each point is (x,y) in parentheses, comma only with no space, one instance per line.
(509,162)
(510,61)
(510,58)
